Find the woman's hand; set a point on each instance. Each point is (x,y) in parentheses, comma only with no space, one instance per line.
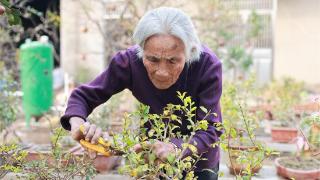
(75,123)
(160,149)
(91,132)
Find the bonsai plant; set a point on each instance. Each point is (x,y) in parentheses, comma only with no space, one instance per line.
(11,159)
(56,163)
(306,163)
(285,95)
(144,164)
(9,100)
(245,153)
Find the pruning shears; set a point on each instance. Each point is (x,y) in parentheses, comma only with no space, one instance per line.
(103,147)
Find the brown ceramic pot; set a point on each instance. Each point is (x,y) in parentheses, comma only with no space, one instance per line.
(284,134)
(101,163)
(236,168)
(296,173)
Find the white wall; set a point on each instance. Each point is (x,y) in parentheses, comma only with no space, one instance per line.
(297,40)
(82,52)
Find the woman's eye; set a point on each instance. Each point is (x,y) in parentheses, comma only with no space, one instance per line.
(172,61)
(153,59)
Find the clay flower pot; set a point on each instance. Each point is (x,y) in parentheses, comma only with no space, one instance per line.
(315,133)
(40,152)
(297,174)
(283,134)
(104,164)
(308,107)
(235,167)
(101,163)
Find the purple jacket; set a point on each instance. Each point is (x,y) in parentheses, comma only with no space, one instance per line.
(201,80)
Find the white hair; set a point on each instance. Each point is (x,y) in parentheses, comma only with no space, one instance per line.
(171,21)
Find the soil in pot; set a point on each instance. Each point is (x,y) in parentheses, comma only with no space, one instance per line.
(298,168)
(308,163)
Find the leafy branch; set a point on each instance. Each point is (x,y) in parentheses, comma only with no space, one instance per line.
(59,164)
(13,14)
(161,127)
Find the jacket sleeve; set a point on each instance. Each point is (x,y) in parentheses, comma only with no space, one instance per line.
(210,91)
(88,96)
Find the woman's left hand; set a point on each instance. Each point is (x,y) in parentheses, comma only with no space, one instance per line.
(162,150)
(159,148)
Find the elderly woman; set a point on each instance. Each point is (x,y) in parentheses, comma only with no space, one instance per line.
(167,58)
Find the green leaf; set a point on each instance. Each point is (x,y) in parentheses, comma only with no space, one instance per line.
(233,133)
(5,3)
(204,109)
(161,165)
(152,158)
(151,132)
(13,17)
(187,100)
(12,14)
(171,158)
(275,153)
(173,117)
(169,170)
(203,125)
(192,148)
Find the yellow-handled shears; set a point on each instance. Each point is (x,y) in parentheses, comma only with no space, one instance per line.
(103,147)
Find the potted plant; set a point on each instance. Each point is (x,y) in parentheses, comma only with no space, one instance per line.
(101,163)
(306,163)
(144,164)
(284,130)
(245,153)
(12,159)
(55,162)
(9,101)
(285,94)
(65,152)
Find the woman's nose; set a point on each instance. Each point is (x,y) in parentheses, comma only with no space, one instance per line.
(162,73)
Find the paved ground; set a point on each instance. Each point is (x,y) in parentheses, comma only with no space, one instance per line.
(267,172)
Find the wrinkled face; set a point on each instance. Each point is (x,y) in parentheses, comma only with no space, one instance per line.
(164,58)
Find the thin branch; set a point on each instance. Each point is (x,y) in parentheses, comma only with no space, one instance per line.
(105,37)
(229,154)
(246,125)
(305,138)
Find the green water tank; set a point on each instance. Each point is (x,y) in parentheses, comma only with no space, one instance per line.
(36,65)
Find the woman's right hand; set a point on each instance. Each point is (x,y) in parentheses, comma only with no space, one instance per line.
(91,132)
